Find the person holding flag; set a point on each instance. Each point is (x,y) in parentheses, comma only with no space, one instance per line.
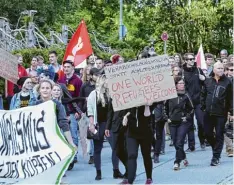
(194,80)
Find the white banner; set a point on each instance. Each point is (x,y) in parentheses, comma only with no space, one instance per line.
(32,148)
(139,82)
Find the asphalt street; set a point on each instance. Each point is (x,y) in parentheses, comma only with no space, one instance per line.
(199,170)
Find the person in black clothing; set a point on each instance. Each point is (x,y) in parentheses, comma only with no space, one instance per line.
(160,120)
(217,101)
(194,80)
(139,132)
(179,112)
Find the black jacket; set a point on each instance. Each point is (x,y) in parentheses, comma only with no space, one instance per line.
(114,119)
(139,126)
(217,97)
(179,107)
(85,90)
(159,112)
(193,84)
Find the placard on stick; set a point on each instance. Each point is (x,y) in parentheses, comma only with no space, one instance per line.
(8,66)
(136,83)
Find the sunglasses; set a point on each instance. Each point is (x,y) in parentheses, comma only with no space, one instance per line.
(190,59)
(230,69)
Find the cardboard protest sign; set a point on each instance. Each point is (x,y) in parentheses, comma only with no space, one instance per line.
(136,83)
(32,148)
(9,66)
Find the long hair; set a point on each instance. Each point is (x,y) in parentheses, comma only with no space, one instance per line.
(61,92)
(84,77)
(101,90)
(181,59)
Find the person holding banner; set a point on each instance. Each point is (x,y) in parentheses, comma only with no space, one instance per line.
(139,133)
(45,90)
(179,111)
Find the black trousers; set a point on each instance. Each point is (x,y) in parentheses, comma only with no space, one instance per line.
(159,136)
(200,124)
(120,146)
(133,145)
(178,133)
(216,141)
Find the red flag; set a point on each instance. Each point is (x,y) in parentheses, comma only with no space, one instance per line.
(79,47)
(200,58)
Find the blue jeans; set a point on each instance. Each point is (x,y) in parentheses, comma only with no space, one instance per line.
(74,130)
(98,145)
(91,150)
(1,103)
(178,133)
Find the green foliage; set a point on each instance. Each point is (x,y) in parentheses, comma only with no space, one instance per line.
(203,21)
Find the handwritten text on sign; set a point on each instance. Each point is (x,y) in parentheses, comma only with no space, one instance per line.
(136,83)
(9,66)
(29,144)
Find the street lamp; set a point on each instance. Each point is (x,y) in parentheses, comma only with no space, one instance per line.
(121,20)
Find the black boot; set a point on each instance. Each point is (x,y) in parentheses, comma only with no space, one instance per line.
(117,174)
(91,160)
(71,166)
(99,175)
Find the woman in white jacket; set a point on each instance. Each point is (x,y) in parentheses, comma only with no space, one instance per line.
(97,105)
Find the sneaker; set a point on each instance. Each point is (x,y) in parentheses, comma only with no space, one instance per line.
(162,152)
(149,181)
(91,160)
(125,181)
(190,150)
(171,144)
(214,162)
(203,146)
(185,162)
(176,167)
(156,159)
(230,153)
(167,138)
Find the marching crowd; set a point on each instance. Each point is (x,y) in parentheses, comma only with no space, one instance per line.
(206,94)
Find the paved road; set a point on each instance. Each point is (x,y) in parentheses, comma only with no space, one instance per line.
(199,170)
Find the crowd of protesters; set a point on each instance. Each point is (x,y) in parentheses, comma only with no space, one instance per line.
(206,94)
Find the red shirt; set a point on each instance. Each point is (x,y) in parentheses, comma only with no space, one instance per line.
(10,86)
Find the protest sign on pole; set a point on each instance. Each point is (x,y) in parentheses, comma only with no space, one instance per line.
(32,148)
(8,66)
(136,83)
